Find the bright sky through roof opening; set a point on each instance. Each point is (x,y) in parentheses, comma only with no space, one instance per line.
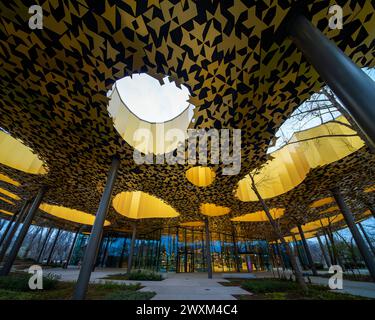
(151,101)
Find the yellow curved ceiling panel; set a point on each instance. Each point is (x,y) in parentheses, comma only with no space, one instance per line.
(308,235)
(7,179)
(317,224)
(147,137)
(260,216)
(70,214)
(213,210)
(290,164)
(6,212)
(141,205)
(6,200)
(322,202)
(9,194)
(192,224)
(16,155)
(329,210)
(370,189)
(200,176)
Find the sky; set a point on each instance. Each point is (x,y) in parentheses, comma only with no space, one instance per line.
(149,100)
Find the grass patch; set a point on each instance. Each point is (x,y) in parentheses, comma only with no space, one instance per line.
(15,287)
(136,275)
(276,289)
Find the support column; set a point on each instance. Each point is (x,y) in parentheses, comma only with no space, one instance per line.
(9,238)
(131,251)
(105,252)
(349,219)
(208,248)
(235,251)
(122,254)
(367,238)
(96,231)
(351,85)
(330,250)
(21,236)
(44,245)
(53,247)
(298,252)
(307,250)
(66,264)
(9,225)
(323,251)
(297,272)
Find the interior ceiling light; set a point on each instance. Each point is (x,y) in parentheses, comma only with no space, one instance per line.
(291,163)
(260,216)
(70,214)
(9,194)
(200,176)
(16,155)
(213,210)
(141,205)
(7,179)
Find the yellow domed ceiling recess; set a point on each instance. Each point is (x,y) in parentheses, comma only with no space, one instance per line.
(290,164)
(7,179)
(6,200)
(141,205)
(329,210)
(192,224)
(370,189)
(148,137)
(9,194)
(322,202)
(260,216)
(200,176)
(317,224)
(16,155)
(213,210)
(70,214)
(6,212)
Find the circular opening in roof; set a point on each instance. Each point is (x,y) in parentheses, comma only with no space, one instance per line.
(200,176)
(153,100)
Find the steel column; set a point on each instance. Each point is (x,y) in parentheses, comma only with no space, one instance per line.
(9,225)
(10,236)
(44,245)
(21,236)
(351,85)
(208,248)
(71,249)
(349,219)
(96,231)
(323,251)
(307,250)
(367,238)
(53,247)
(131,251)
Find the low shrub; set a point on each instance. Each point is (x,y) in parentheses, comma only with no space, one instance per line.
(268,285)
(136,275)
(20,282)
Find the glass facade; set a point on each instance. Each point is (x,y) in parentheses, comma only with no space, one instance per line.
(180,249)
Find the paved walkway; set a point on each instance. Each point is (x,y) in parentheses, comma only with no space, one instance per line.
(176,286)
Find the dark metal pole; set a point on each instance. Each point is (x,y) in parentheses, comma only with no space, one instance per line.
(96,231)
(349,219)
(208,248)
(53,247)
(307,250)
(235,251)
(71,249)
(9,225)
(323,252)
(21,236)
(352,86)
(122,254)
(44,245)
(105,251)
(298,251)
(9,238)
(367,238)
(131,251)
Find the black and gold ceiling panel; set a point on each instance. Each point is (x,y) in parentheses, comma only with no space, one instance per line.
(242,71)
